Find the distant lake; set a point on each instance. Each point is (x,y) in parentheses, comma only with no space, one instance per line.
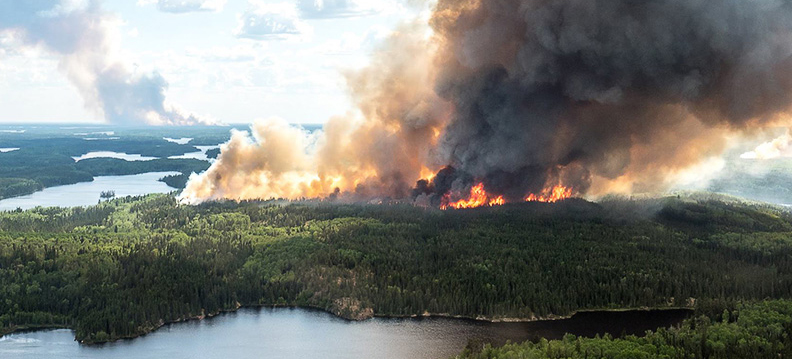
(87,193)
(198,155)
(105,133)
(111,154)
(302,333)
(181,141)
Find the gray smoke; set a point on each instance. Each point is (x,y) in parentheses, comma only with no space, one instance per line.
(81,33)
(605,91)
(601,96)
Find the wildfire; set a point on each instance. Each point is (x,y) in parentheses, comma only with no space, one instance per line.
(551,195)
(478,197)
(427,174)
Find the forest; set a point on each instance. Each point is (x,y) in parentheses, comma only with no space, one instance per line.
(742,330)
(127,266)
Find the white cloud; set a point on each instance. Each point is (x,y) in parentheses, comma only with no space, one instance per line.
(354,43)
(185,6)
(271,22)
(325,9)
(238,53)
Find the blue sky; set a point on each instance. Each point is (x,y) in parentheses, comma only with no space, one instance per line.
(232,61)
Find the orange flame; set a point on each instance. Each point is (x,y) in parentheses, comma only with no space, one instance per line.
(427,174)
(550,195)
(478,197)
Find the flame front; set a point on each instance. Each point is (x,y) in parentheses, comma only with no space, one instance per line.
(550,195)
(478,197)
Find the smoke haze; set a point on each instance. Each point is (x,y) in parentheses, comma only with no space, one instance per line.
(597,95)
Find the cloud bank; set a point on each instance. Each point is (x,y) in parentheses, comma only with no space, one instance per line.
(85,38)
(271,22)
(324,9)
(185,6)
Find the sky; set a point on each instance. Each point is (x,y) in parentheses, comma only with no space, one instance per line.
(227,61)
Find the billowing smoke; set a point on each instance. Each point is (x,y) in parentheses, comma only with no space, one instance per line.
(597,95)
(771,149)
(377,152)
(83,35)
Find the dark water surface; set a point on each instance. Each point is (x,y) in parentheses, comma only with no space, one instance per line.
(302,333)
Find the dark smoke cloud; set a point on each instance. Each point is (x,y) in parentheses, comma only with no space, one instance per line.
(568,90)
(523,95)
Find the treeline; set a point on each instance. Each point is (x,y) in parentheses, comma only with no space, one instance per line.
(46,169)
(754,330)
(44,163)
(176,181)
(117,167)
(124,267)
(145,145)
(12,187)
(213,153)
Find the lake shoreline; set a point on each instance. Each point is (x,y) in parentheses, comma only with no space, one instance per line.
(425,315)
(88,193)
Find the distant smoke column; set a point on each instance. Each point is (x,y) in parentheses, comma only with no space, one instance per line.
(82,33)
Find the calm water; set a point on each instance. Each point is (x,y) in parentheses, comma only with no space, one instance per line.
(301,333)
(111,154)
(180,141)
(87,193)
(198,155)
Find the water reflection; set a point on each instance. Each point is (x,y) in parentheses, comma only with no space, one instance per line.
(87,193)
(301,333)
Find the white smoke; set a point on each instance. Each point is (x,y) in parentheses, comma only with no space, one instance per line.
(771,149)
(85,36)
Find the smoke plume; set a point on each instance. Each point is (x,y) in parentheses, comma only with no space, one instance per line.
(771,149)
(83,35)
(523,95)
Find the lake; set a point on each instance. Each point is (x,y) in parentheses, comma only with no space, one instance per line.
(111,154)
(180,141)
(200,154)
(304,333)
(87,193)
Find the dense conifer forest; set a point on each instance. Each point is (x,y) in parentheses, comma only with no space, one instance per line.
(741,331)
(126,266)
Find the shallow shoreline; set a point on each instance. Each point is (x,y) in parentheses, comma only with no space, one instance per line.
(425,315)
(551,317)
